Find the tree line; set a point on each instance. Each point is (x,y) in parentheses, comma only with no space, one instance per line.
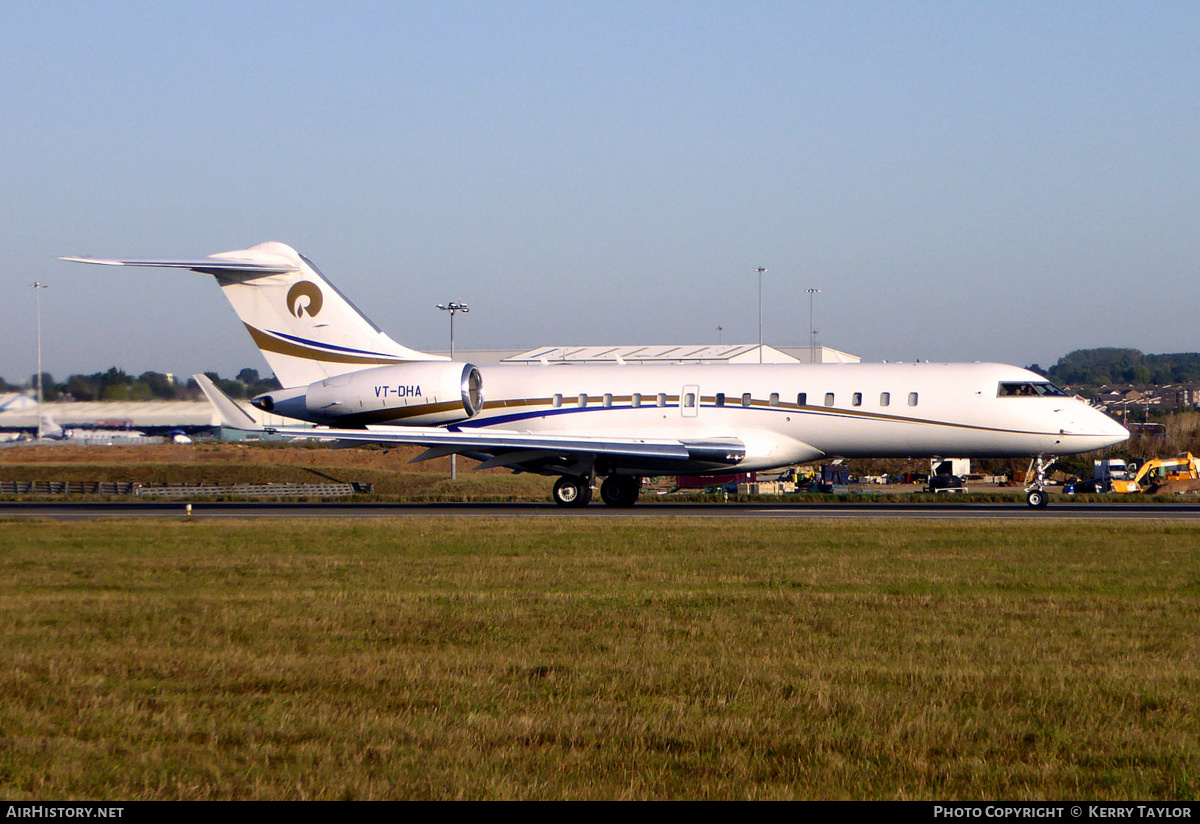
(116,385)
(1099,367)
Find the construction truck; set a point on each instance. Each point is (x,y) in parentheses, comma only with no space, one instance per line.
(1163,476)
(1110,473)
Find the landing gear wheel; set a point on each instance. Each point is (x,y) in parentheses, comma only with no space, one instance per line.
(1035,482)
(620,490)
(570,491)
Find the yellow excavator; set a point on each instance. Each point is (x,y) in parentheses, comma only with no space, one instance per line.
(1163,476)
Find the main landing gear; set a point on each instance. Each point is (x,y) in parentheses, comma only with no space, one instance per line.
(572,491)
(617,490)
(620,490)
(1035,482)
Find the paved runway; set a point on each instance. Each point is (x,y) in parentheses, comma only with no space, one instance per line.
(72,510)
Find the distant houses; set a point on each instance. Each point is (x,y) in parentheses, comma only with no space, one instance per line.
(1137,400)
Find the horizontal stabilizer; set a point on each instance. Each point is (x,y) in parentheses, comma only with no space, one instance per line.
(210,265)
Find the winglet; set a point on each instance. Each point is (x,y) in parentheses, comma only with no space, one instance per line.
(232,415)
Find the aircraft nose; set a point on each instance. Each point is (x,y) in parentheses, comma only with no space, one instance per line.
(1109,428)
(1089,428)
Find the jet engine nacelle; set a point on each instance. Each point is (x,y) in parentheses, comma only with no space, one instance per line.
(415,394)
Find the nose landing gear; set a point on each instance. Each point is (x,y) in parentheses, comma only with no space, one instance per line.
(1035,482)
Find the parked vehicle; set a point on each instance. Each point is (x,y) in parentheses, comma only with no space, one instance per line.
(946,484)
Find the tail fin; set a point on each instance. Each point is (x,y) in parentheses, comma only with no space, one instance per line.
(306,329)
(50,429)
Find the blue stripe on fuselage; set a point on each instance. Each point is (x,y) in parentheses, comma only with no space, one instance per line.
(329,346)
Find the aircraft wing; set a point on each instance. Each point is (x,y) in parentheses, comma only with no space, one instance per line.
(489,440)
(232,415)
(532,452)
(519,450)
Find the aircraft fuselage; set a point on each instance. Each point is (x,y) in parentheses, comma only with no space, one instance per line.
(782,413)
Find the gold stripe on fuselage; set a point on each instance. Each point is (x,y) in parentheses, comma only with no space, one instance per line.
(269,343)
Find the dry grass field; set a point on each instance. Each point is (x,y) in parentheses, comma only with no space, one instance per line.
(391,473)
(612,658)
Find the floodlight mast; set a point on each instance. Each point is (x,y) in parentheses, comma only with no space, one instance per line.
(453,307)
(37,287)
(812,333)
(760,271)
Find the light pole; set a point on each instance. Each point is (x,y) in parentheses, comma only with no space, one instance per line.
(37,287)
(720,335)
(760,271)
(812,333)
(453,307)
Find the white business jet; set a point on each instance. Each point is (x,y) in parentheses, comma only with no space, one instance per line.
(622,421)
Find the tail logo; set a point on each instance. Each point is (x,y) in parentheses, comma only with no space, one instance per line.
(304,298)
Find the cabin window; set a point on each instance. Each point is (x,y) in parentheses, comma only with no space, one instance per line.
(582,401)
(802,399)
(662,399)
(607,400)
(885,398)
(774,399)
(689,400)
(912,398)
(746,399)
(829,399)
(720,399)
(636,400)
(557,401)
(856,399)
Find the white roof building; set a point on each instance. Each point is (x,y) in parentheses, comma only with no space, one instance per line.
(17,402)
(657,353)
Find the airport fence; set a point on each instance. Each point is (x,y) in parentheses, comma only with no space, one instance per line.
(282,490)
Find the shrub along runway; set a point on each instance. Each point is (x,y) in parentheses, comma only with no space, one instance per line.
(626,657)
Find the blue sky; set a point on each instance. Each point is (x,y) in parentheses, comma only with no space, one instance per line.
(963,181)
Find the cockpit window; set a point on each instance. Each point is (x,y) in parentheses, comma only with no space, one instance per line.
(1029,390)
